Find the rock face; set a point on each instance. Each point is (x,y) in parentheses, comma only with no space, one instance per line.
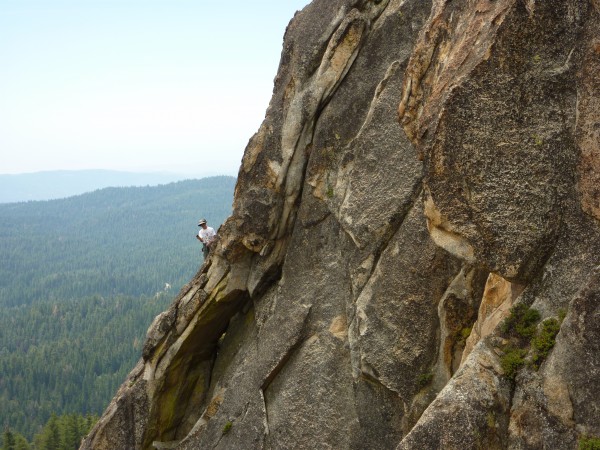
(336,308)
(498,100)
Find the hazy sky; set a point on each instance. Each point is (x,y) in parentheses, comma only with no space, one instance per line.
(141,85)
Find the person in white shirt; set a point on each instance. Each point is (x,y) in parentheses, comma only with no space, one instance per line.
(206,235)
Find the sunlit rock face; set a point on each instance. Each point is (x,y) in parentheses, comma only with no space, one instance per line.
(335,311)
(499,102)
(499,99)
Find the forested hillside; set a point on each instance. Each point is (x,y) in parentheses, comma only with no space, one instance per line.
(112,241)
(81,280)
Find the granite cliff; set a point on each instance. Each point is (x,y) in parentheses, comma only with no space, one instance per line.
(413,257)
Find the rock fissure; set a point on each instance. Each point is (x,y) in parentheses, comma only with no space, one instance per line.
(279,366)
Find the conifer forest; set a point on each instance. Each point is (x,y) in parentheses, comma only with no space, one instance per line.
(81,279)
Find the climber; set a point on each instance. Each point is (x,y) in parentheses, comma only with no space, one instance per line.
(206,235)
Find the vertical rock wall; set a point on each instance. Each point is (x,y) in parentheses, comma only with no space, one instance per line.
(336,308)
(498,99)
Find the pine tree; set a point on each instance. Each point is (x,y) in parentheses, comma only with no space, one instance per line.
(8,440)
(21,443)
(50,435)
(70,435)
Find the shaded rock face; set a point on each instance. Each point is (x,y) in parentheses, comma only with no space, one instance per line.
(335,310)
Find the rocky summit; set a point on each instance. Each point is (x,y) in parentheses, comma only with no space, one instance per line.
(413,257)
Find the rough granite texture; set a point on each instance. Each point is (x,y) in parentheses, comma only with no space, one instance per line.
(422,167)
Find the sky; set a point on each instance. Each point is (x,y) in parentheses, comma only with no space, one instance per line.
(136,85)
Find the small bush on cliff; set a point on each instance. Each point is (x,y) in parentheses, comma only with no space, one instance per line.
(589,443)
(544,340)
(227,427)
(521,322)
(463,335)
(424,379)
(512,360)
(522,333)
(561,315)
(519,327)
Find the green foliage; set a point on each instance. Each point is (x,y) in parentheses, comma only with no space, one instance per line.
(519,327)
(8,440)
(589,443)
(50,437)
(12,440)
(227,427)
(424,379)
(81,279)
(561,315)
(512,360)
(64,432)
(463,335)
(544,340)
(21,443)
(523,334)
(69,356)
(521,322)
(128,241)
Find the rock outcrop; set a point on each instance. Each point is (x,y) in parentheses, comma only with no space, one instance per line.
(336,309)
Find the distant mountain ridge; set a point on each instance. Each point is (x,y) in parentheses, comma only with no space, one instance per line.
(58,184)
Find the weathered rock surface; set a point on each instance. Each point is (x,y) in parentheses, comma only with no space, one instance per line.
(335,310)
(498,99)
